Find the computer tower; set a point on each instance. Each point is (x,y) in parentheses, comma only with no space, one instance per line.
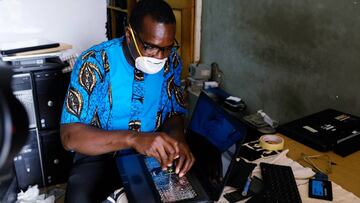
(50,89)
(22,87)
(56,161)
(27,163)
(43,160)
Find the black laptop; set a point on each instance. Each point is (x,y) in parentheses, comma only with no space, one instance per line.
(214,138)
(9,48)
(326,130)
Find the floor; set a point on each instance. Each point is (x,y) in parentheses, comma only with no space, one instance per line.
(57,190)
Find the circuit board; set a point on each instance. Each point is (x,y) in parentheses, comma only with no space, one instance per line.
(169,185)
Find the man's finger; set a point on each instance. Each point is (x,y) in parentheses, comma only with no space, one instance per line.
(173,143)
(163,156)
(184,168)
(156,155)
(170,150)
(179,165)
(171,157)
(192,160)
(187,164)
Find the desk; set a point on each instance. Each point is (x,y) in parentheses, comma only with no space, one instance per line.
(345,173)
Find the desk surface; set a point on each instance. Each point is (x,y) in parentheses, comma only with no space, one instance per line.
(345,173)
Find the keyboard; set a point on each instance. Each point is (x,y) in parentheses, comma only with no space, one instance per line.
(279,182)
(170,186)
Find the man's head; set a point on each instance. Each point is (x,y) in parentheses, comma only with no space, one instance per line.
(159,10)
(152,29)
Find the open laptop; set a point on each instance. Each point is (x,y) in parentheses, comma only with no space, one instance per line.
(214,138)
(326,130)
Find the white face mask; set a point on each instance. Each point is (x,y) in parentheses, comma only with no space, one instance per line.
(149,65)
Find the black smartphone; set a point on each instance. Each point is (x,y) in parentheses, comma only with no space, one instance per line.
(320,189)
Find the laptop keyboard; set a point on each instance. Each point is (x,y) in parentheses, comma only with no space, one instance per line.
(280,185)
(169,185)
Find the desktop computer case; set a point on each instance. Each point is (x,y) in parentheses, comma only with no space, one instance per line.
(27,163)
(42,161)
(50,89)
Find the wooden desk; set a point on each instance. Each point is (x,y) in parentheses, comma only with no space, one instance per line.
(345,173)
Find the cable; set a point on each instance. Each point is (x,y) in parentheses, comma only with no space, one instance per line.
(309,160)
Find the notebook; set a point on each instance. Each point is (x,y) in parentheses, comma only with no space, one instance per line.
(326,130)
(214,138)
(7,48)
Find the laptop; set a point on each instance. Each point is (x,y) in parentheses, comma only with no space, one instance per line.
(326,130)
(214,138)
(7,48)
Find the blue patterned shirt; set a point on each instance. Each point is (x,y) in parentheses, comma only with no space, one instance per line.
(107,92)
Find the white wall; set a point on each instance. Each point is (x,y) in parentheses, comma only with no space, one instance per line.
(80,23)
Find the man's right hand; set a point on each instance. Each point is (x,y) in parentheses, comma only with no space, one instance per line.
(159,145)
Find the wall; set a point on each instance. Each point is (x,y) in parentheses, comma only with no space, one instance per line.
(287,57)
(80,23)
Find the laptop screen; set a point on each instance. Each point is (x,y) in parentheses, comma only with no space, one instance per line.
(213,139)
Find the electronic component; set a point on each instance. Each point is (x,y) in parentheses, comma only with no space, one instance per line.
(200,71)
(234,103)
(234,196)
(320,189)
(170,186)
(255,187)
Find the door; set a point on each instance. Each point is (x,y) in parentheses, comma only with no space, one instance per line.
(184,11)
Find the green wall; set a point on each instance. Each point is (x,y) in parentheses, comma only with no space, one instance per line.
(288,57)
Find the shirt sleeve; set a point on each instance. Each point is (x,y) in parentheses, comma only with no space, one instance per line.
(85,89)
(176,106)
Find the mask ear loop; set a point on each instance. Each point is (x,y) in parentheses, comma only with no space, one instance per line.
(133,36)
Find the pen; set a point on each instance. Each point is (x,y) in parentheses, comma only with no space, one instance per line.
(246,187)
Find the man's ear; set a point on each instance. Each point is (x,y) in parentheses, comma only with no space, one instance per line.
(127,34)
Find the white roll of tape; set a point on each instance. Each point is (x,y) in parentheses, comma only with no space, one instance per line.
(271,142)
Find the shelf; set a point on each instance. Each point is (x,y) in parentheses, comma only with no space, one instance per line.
(117,9)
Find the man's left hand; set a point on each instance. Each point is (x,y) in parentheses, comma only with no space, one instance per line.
(186,159)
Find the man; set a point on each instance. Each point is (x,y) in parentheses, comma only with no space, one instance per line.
(125,93)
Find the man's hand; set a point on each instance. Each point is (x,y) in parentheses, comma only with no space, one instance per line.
(159,145)
(186,159)
(174,126)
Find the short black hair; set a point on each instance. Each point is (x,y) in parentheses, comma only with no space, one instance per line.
(159,10)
